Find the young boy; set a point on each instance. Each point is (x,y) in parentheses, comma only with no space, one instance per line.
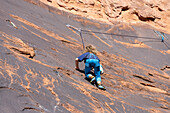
(91,61)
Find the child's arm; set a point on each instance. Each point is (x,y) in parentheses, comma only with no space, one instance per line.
(77,64)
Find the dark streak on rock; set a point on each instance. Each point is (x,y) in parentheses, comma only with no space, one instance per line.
(143,78)
(166,67)
(150,74)
(125,8)
(147,84)
(49,1)
(3,87)
(30,108)
(64,41)
(165,108)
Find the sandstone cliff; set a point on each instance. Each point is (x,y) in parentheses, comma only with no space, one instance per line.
(152,12)
(38,50)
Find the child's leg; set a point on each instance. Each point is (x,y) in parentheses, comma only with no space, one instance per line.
(97,73)
(101,69)
(87,72)
(98,78)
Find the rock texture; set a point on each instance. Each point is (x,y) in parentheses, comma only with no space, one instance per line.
(37,68)
(152,12)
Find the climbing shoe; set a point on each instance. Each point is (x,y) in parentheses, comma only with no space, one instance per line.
(101,87)
(92,81)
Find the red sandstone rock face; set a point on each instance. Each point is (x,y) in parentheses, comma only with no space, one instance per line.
(37,56)
(153,12)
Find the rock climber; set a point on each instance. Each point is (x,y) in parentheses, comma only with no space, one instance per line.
(91,61)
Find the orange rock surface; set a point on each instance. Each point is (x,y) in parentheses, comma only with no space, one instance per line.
(151,12)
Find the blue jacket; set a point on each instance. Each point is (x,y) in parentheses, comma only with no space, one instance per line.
(87,55)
